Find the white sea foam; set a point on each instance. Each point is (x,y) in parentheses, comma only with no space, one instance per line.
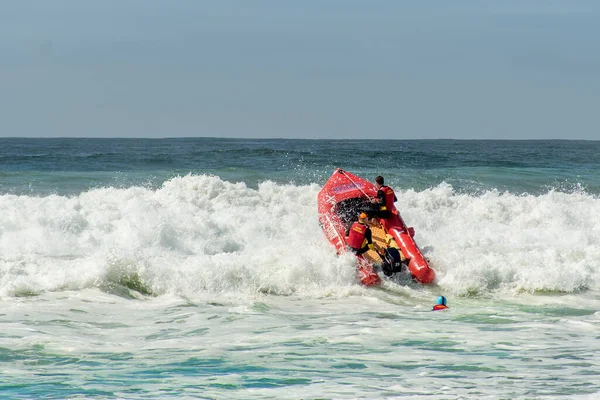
(506,241)
(200,234)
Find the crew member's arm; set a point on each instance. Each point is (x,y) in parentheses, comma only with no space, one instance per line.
(380,200)
(381,197)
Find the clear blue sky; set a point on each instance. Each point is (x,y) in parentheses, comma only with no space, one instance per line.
(505,69)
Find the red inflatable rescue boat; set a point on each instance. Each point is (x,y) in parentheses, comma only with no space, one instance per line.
(340,201)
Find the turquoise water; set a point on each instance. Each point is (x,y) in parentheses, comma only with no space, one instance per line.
(195,268)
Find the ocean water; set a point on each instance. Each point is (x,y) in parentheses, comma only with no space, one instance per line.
(196,269)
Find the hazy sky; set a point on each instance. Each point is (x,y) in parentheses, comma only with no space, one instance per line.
(504,69)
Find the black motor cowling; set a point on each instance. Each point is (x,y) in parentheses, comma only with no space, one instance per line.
(392,261)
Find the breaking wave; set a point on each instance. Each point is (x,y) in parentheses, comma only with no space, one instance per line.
(200,234)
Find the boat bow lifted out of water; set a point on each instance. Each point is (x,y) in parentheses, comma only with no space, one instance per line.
(340,200)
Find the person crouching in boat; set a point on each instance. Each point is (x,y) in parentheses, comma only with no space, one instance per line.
(358,235)
(383,204)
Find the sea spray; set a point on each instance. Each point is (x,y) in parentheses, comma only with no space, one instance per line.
(198,232)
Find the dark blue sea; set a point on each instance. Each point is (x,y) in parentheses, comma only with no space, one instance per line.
(195,268)
(72,166)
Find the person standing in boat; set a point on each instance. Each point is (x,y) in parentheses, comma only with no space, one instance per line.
(358,235)
(383,204)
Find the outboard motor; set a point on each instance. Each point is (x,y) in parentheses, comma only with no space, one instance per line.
(392,262)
